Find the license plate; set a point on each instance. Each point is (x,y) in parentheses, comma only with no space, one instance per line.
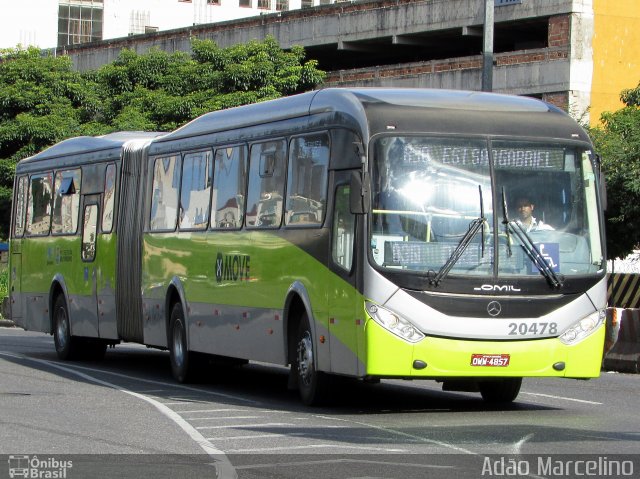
(490,360)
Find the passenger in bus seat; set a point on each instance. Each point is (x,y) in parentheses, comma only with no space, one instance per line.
(526,219)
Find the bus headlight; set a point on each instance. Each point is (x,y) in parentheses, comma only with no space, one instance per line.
(394,323)
(583,328)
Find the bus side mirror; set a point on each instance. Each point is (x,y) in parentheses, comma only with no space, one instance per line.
(359,196)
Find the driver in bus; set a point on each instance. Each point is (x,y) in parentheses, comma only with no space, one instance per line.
(526,219)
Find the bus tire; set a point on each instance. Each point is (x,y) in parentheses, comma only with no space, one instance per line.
(500,390)
(181,359)
(313,385)
(68,347)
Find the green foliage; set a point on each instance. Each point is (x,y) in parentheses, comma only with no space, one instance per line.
(44,101)
(618,143)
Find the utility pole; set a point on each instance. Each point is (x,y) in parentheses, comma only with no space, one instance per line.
(487,47)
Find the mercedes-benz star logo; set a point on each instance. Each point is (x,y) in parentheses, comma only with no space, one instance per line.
(494,308)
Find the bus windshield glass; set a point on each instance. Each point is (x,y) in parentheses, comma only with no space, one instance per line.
(434,201)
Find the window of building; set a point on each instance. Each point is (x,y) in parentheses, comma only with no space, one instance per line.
(264,4)
(229,186)
(164,202)
(66,202)
(21,206)
(195,191)
(306,4)
(39,205)
(307,180)
(108,200)
(266,184)
(282,5)
(79,22)
(213,2)
(245,3)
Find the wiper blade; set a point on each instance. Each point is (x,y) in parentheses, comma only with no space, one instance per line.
(474,227)
(505,222)
(534,254)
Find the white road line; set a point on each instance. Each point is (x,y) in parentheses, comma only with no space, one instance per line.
(222,463)
(318,446)
(252,436)
(209,410)
(222,418)
(229,426)
(329,460)
(403,434)
(162,383)
(563,398)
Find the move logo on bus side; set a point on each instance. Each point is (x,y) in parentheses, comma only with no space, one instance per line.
(232,267)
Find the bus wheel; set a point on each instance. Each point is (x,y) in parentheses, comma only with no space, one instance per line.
(67,346)
(313,385)
(500,390)
(178,352)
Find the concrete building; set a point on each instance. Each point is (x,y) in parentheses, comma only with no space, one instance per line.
(55,23)
(577,54)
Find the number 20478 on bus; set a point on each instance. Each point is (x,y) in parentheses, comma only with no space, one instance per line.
(494,360)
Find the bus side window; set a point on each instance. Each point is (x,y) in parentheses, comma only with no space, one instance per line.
(229,185)
(108,200)
(307,180)
(266,184)
(66,202)
(39,205)
(164,200)
(20,206)
(195,191)
(344,224)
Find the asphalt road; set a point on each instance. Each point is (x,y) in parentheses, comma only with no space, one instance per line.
(126,417)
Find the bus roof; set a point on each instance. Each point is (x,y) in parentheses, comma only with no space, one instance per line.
(87,144)
(356,106)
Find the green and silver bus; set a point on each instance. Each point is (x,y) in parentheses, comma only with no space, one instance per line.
(369,233)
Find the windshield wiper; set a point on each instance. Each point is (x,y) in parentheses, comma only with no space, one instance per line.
(528,245)
(457,253)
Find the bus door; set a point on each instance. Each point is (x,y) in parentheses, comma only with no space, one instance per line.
(15,251)
(346,324)
(87,324)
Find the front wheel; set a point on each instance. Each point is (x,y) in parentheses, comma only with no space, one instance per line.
(67,347)
(500,390)
(313,385)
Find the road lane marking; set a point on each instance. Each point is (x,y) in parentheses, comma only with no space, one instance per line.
(403,434)
(209,410)
(221,462)
(584,401)
(229,426)
(158,383)
(223,418)
(318,446)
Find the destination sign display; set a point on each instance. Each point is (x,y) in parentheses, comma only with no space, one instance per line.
(471,157)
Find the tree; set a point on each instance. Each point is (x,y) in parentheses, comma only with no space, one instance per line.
(44,101)
(618,143)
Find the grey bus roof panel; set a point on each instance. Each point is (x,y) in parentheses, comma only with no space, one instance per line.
(104,147)
(372,110)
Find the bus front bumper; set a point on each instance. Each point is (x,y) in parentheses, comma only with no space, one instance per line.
(389,356)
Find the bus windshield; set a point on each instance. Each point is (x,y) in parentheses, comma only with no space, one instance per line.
(435,207)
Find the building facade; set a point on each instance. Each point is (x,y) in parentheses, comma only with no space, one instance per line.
(57,23)
(576,54)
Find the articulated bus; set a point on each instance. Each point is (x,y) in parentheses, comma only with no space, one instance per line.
(369,233)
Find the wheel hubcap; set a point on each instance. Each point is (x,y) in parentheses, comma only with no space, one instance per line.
(305,358)
(178,351)
(62,328)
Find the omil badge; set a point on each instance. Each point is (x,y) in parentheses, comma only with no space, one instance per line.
(550,253)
